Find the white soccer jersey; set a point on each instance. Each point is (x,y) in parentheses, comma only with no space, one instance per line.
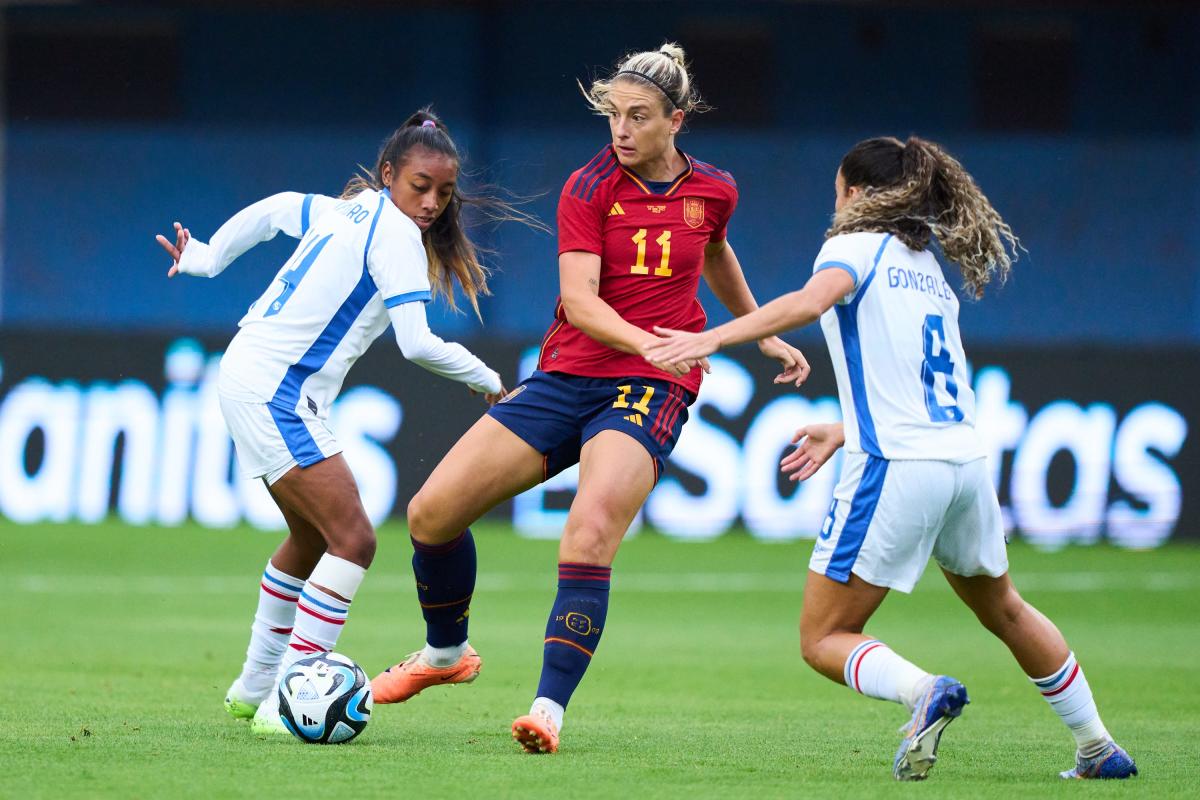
(897,354)
(357,260)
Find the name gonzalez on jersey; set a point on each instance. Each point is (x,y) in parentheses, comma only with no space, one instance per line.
(911,279)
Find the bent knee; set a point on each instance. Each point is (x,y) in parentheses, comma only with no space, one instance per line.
(358,544)
(593,542)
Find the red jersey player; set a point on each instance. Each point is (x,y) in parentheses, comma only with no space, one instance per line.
(638,226)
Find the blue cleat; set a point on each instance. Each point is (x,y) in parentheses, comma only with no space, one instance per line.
(1114,762)
(941,703)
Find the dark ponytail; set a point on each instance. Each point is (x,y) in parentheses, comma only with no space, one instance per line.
(916,191)
(451,253)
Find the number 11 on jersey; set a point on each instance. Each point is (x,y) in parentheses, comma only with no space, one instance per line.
(663,270)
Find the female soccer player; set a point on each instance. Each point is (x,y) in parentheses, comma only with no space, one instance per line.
(639,225)
(914,479)
(374,256)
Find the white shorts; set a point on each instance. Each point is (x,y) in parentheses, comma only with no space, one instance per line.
(270,440)
(888,517)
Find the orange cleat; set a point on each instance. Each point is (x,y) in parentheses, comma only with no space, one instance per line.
(407,679)
(536,732)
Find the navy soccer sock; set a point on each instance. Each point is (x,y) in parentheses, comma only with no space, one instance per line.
(445,582)
(574,628)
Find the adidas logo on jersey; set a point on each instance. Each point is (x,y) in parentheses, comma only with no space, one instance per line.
(636,419)
(616,210)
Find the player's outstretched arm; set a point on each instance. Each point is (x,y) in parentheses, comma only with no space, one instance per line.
(793,310)
(723,274)
(252,225)
(579,288)
(815,445)
(449,359)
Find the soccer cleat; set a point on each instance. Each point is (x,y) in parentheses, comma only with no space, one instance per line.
(1114,762)
(536,732)
(267,721)
(937,708)
(242,703)
(407,679)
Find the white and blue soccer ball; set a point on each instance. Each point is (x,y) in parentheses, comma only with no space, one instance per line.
(325,699)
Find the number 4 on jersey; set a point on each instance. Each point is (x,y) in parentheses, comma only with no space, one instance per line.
(935,362)
(291,277)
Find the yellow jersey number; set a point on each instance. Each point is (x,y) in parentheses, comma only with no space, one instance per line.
(642,405)
(663,270)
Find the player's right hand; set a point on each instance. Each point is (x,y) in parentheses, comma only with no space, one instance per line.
(182,235)
(819,443)
(492,399)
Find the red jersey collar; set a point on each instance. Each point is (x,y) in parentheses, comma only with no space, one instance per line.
(641,184)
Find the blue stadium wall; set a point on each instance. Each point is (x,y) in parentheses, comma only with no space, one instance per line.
(1092,341)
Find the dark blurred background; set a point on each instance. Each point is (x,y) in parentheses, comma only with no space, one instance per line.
(1079,119)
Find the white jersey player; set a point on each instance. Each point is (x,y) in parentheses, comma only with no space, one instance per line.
(914,479)
(376,256)
(360,265)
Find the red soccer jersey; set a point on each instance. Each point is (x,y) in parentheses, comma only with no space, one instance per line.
(651,249)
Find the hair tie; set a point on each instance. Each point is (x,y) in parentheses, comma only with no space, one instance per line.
(661,88)
(428,124)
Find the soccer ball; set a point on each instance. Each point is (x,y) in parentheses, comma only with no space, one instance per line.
(325,699)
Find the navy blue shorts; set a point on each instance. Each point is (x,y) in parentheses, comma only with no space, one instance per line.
(557,414)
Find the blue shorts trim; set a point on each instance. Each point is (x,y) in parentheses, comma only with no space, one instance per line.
(557,414)
(858,520)
(299,441)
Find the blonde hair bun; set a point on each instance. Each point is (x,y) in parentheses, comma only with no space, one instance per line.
(674,52)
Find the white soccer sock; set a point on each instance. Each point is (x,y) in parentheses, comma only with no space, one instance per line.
(1068,693)
(322,615)
(552,708)
(443,656)
(874,670)
(273,622)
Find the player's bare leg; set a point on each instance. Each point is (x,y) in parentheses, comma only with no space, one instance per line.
(488,465)
(616,475)
(1043,654)
(833,643)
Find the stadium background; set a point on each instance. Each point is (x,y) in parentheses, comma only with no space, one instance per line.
(128,551)
(1080,120)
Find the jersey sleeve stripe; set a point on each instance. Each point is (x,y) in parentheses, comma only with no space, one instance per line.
(422,296)
(305,211)
(713,172)
(839,265)
(599,178)
(587,168)
(588,178)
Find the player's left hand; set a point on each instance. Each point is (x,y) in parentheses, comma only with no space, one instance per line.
(681,349)
(815,445)
(182,235)
(795,365)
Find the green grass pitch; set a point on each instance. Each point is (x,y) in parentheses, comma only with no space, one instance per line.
(122,641)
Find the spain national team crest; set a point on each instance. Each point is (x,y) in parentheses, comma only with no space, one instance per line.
(693,211)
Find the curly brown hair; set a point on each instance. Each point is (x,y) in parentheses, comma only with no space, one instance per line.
(917,191)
